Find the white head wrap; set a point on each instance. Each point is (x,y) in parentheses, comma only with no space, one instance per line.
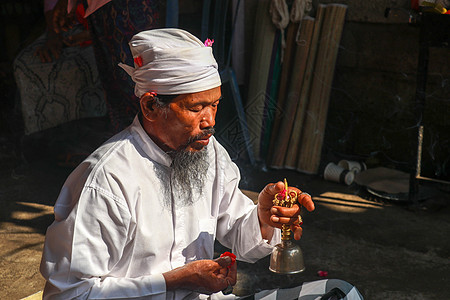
(171,61)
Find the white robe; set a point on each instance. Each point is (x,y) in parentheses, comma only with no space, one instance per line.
(114,233)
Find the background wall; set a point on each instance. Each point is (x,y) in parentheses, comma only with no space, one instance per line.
(372,103)
(372,113)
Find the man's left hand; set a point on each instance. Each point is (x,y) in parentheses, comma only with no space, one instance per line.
(276,216)
(204,276)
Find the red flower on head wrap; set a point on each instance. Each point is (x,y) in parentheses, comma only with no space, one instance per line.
(138,61)
(209,43)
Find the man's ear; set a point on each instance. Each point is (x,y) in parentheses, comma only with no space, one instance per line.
(148,103)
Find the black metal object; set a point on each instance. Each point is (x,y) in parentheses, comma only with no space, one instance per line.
(434,32)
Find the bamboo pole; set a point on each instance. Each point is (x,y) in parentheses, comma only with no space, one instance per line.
(295,84)
(284,83)
(315,121)
(296,133)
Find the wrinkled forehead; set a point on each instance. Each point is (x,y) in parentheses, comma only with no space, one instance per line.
(207,97)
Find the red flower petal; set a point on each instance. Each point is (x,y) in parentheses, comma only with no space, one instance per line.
(231,255)
(209,43)
(138,61)
(322,273)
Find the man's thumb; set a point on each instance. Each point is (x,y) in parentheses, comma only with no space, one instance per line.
(224,261)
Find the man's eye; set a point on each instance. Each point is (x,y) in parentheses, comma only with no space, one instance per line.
(196,108)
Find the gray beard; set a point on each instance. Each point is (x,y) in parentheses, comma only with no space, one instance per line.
(189,171)
(186,181)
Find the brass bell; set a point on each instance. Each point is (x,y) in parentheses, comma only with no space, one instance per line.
(286,257)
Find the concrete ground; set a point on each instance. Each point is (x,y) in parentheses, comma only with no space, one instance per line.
(389,250)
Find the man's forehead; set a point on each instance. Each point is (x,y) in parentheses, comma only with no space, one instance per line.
(209,96)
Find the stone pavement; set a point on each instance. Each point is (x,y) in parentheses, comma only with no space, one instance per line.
(388,250)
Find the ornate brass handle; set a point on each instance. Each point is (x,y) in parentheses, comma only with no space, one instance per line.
(285,198)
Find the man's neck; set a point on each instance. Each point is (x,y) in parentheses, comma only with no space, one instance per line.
(146,125)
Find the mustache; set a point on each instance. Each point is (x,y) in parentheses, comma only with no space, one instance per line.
(202,135)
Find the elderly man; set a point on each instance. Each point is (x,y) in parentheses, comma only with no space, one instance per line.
(138,218)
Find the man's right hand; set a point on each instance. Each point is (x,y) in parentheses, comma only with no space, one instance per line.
(63,21)
(203,276)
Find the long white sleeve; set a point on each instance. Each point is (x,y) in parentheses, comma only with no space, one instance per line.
(238,225)
(84,251)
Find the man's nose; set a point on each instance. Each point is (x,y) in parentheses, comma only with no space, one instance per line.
(209,119)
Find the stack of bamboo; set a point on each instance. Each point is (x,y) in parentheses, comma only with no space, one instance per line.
(304,90)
